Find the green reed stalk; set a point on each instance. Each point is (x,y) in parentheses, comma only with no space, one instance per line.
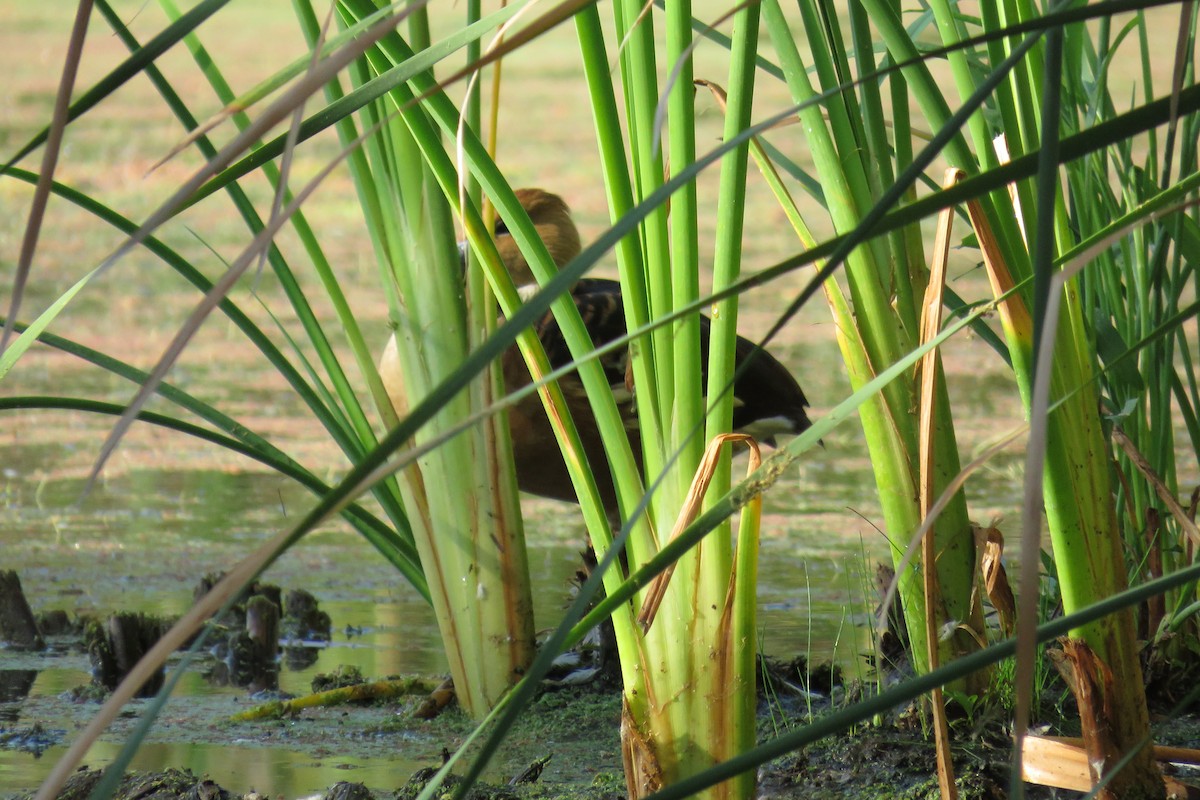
(682,713)
(1080,511)
(461,498)
(886,279)
(1134,288)
(445,116)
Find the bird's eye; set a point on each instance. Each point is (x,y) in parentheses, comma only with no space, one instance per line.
(501,228)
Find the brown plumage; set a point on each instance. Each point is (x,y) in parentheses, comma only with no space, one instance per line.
(767,400)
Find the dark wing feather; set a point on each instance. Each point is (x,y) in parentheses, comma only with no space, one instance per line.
(599,303)
(767,399)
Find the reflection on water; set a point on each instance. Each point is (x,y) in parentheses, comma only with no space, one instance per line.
(273,771)
(261,761)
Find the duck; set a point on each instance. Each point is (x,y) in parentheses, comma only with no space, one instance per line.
(768,402)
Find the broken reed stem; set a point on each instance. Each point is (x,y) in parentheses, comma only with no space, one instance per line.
(929,366)
(691,509)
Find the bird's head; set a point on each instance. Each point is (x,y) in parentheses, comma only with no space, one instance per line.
(552,219)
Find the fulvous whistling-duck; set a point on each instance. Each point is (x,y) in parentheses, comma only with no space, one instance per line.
(767,399)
